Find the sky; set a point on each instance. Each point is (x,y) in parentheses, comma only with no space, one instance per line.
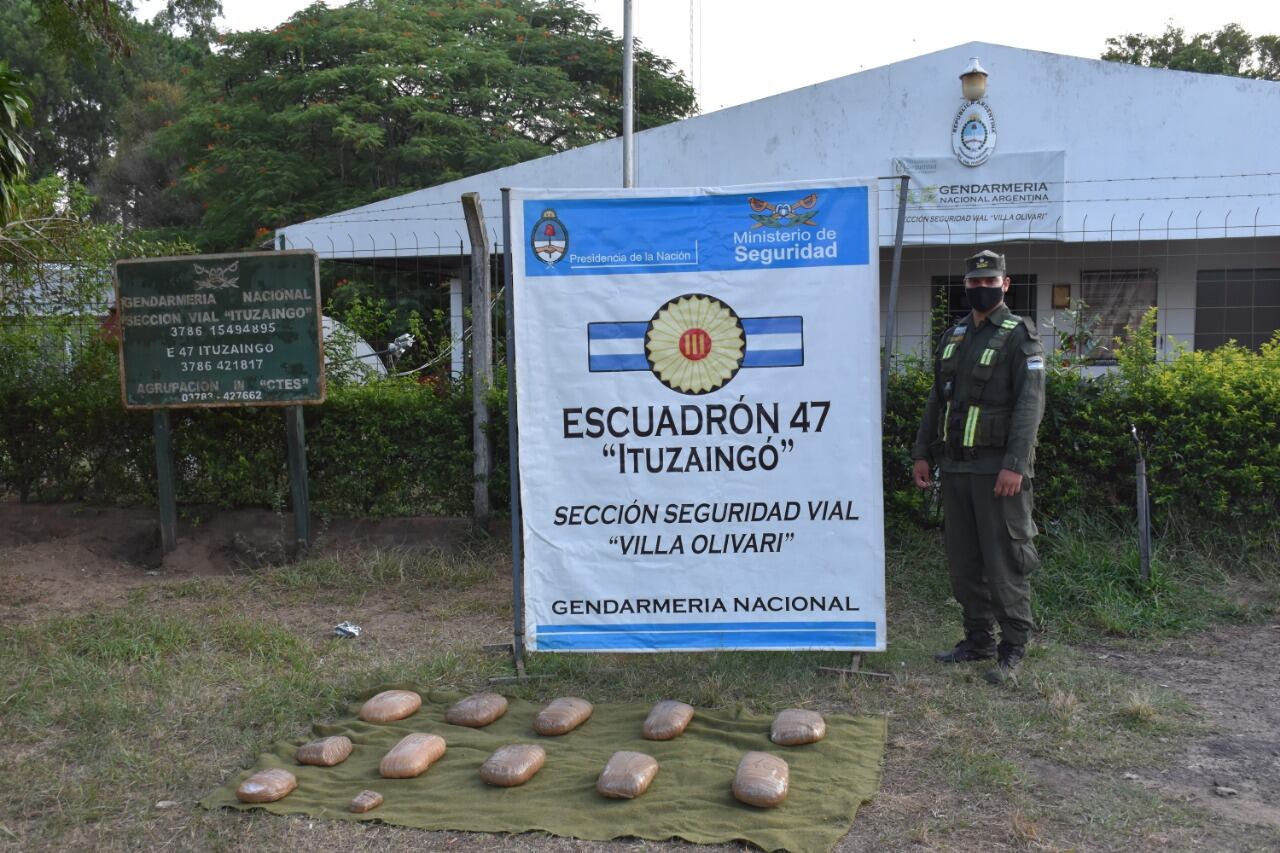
(736,51)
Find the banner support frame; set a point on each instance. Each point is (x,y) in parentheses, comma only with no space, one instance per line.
(513,442)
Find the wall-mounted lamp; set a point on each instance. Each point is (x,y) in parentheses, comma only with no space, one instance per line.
(973,80)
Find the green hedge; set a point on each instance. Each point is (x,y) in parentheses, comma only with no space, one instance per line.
(1211,421)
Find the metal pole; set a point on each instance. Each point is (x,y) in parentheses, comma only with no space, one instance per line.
(628,99)
(891,321)
(164,476)
(513,443)
(295,434)
(481,354)
(1144,510)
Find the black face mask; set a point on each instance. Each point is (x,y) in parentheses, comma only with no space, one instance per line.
(983,299)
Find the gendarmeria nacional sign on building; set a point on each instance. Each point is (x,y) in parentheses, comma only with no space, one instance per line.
(220,330)
(699,418)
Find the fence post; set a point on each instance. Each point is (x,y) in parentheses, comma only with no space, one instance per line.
(891,320)
(481,353)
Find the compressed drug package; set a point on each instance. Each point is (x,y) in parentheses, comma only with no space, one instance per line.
(794,727)
(411,756)
(266,786)
(513,765)
(667,720)
(562,716)
(476,711)
(325,752)
(762,780)
(365,801)
(627,775)
(390,705)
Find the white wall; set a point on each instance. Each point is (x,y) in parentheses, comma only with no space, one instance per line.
(1175,262)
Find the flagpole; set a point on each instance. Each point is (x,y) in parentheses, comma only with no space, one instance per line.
(628,99)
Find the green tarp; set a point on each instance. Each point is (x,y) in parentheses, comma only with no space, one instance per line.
(690,798)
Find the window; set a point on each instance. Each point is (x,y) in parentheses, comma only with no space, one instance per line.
(1115,299)
(1241,305)
(949,295)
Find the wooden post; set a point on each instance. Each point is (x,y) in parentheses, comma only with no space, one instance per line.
(164,475)
(481,353)
(297,438)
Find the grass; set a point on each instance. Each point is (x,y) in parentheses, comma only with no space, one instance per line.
(164,696)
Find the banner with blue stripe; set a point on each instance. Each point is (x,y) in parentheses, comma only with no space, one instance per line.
(698,418)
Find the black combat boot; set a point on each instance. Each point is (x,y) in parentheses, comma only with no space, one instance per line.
(976,645)
(1007,665)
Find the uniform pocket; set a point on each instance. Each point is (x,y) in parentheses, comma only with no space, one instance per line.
(1022,529)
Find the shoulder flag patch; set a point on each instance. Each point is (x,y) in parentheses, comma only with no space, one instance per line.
(1036,362)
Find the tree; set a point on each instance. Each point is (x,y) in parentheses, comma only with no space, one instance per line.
(341,107)
(82,59)
(15,111)
(1230,50)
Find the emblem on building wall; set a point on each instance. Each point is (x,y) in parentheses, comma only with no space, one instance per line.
(973,133)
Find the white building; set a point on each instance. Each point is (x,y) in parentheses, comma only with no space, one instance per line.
(1113,184)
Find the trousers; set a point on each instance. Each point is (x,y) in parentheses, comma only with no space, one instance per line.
(991,554)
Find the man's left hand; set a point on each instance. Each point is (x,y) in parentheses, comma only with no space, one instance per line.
(1008,483)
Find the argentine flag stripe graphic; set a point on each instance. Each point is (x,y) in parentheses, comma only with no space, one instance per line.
(771,342)
(616,346)
(774,341)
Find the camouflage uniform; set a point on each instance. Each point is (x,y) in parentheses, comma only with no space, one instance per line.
(982,415)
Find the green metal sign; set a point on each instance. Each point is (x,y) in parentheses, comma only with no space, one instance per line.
(220,330)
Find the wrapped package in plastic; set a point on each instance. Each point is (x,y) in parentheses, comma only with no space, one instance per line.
(562,716)
(411,756)
(794,727)
(325,752)
(667,720)
(513,765)
(266,786)
(627,775)
(390,705)
(762,780)
(365,801)
(476,711)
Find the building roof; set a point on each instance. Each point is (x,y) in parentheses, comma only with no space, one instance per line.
(1149,153)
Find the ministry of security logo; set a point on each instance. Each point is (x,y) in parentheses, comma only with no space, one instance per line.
(549,238)
(784,215)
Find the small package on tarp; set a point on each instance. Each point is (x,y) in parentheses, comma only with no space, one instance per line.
(476,711)
(562,716)
(411,756)
(627,775)
(325,752)
(390,705)
(762,780)
(794,727)
(513,764)
(667,720)
(266,786)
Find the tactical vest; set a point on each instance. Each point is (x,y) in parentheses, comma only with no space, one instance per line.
(968,424)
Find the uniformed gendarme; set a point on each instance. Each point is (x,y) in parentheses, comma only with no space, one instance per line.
(979,429)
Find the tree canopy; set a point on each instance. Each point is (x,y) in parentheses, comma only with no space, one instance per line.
(1231,50)
(341,107)
(15,112)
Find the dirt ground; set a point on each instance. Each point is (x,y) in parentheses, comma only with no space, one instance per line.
(69,559)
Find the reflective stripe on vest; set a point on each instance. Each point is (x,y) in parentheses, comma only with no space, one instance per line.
(971,426)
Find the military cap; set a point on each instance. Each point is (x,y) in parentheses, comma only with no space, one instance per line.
(985,264)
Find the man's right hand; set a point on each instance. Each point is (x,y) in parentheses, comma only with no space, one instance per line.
(922,473)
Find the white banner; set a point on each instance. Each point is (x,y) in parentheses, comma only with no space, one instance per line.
(1010,196)
(699,418)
